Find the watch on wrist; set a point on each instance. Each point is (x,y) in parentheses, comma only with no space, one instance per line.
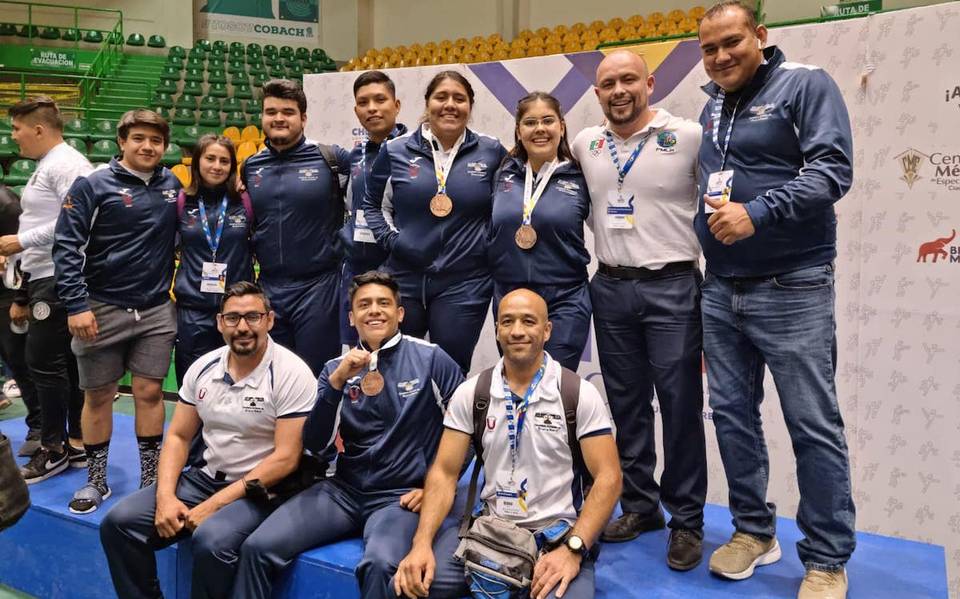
(576,545)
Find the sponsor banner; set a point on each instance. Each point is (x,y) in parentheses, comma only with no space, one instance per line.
(293,22)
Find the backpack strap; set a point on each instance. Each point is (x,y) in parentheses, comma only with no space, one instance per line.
(181,202)
(570,396)
(481,403)
(330,157)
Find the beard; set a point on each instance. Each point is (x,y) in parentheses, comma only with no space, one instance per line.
(243,350)
(623,118)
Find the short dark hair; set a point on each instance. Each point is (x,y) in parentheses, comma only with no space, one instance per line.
(285,89)
(718,9)
(444,75)
(206,140)
(41,108)
(371,77)
(242,288)
(142,117)
(374,277)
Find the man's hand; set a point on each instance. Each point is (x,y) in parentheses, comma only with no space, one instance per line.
(356,360)
(415,572)
(730,223)
(9,245)
(412,500)
(555,569)
(200,512)
(19,314)
(170,516)
(83,326)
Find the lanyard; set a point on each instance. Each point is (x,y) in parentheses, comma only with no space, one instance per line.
(442,170)
(212,241)
(515,424)
(716,115)
(531,196)
(375,354)
(623,170)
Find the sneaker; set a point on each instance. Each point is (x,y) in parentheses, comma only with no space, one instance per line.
(30,445)
(631,525)
(88,499)
(44,464)
(820,584)
(11,389)
(76,457)
(685,549)
(744,552)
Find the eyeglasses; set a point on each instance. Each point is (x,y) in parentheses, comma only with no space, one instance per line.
(232,319)
(547,121)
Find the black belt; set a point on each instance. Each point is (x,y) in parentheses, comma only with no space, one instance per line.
(640,273)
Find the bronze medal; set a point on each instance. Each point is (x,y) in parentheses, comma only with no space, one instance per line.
(372,383)
(441,205)
(526,237)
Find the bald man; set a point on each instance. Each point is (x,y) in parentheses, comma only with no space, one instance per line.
(529,481)
(640,168)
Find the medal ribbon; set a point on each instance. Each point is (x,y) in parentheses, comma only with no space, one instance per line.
(213,241)
(716,114)
(531,197)
(374,354)
(623,170)
(515,424)
(442,170)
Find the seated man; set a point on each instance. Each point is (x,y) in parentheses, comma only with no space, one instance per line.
(539,457)
(249,399)
(386,398)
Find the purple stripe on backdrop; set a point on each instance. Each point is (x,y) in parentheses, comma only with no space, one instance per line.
(674,68)
(501,83)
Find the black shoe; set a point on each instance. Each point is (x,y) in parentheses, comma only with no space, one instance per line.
(631,525)
(76,457)
(44,464)
(685,549)
(30,445)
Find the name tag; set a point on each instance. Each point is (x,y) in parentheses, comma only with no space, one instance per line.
(512,498)
(619,211)
(213,277)
(361,230)
(719,187)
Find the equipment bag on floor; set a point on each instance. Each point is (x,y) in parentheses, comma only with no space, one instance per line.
(14,497)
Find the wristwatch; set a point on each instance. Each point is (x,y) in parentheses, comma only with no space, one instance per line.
(576,545)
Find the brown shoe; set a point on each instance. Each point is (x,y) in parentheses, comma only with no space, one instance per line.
(820,584)
(685,550)
(631,525)
(737,559)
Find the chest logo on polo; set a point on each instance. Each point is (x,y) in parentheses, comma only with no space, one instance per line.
(596,146)
(414,170)
(570,188)
(477,169)
(308,174)
(125,196)
(548,422)
(761,112)
(169,195)
(491,422)
(408,388)
(252,404)
(506,183)
(667,142)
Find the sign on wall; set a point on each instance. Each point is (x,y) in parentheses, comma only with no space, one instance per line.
(274,21)
(56,60)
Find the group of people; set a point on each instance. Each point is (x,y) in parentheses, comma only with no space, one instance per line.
(436,222)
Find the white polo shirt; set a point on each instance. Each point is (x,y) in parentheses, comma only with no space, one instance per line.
(663,182)
(545,468)
(41,200)
(240,417)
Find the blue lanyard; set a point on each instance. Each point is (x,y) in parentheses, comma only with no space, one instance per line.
(515,425)
(716,115)
(623,170)
(213,241)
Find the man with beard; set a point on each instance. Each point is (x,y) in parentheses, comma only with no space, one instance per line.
(294,185)
(249,400)
(641,171)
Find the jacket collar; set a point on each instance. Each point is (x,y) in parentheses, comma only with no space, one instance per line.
(119,170)
(513,164)
(773,57)
(418,143)
(398,130)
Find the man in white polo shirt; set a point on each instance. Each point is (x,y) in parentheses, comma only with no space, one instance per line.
(641,171)
(38,130)
(535,469)
(249,399)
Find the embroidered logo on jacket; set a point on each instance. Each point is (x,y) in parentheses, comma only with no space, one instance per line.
(308,174)
(506,183)
(569,188)
(477,169)
(169,195)
(408,388)
(761,112)
(125,196)
(414,170)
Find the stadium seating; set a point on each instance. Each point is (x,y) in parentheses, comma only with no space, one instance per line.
(20,172)
(103,151)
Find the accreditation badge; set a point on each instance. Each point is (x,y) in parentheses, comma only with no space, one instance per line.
(619,211)
(511,496)
(719,188)
(361,230)
(213,277)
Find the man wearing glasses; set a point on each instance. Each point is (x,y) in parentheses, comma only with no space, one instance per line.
(249,399)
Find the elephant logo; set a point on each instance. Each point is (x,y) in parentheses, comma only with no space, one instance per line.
(935,248)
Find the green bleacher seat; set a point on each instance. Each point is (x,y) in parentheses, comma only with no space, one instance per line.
(193,75)
(270,50)
(254,59)
(203,44)
(236,66)
(173,155)
(7,29)
(236,55)
(167,86)
(196,63)
(20,172)
(103,150)
(5,126)
(210,118)
(188,101)
(75,129)
(210,103)
(217,77)
(277,72)
(28,31)
(136,39)
(157,41)
(289,62)
(193,87)
(217,90)
(286,51)
(237,47)
(255,48)
(8,148)
(104,129)
(236,119)
(184,136)
(50,33)
(1,175)
(239,79)
(295,71)
(216,64)
(197,54)
(93,36)
(254,107)
(220,54)
(302,53)
(77,144)
(183,116)
(243,92)
(70,34)
(177,51)
(162,100)
(172,72)
(218,45)
(232,105)
(318,54)
(174,61)
(273,61)
(258,69)
(259,79)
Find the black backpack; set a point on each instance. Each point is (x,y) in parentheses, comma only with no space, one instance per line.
(14,497)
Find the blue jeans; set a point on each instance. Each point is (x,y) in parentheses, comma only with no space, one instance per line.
(787,323)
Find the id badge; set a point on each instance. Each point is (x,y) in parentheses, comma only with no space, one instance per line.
(619,211)
(361,230)
(512,498)
(213,277)
(719,187)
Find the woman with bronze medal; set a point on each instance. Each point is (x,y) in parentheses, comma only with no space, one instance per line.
(540,203)
(428,201)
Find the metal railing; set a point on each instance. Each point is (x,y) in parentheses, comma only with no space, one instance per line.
(90,81)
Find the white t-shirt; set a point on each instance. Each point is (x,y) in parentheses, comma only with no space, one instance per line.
(663,182)
(545,468)
(240,417)
(41,200)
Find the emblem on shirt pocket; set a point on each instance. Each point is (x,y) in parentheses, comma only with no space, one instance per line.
(408,388)
(253,405)
(547,422)
(596,146)
(308,174)
(666,142)
(491,422)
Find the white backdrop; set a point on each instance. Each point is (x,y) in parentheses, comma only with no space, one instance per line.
(898,271)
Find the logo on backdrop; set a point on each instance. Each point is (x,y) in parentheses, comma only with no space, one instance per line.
(916,166)
(952,96)
(910,162)
(940,250)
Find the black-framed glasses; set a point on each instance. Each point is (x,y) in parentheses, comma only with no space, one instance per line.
(232,319)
